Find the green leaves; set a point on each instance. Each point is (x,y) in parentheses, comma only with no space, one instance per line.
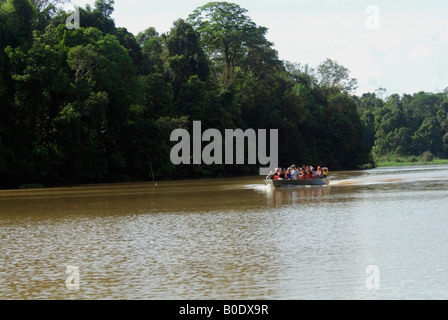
(185,56)
(228,35)
(82,60)
(407,125)
(192,99)
(334,76)
(159,96)
(98,104)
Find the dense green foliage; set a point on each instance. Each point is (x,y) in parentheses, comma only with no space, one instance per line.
(99,104)
(411,126)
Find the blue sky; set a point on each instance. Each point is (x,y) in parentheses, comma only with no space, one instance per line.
(399,45)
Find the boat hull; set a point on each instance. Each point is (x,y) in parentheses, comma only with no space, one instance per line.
(288,183)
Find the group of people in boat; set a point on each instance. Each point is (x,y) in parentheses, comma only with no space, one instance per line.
(295,173)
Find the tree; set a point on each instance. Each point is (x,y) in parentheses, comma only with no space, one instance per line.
(18,21)
(303,74)
(227,35)
(99,17)
(98,104)
(45,5)
(128,41)
(159,96)
(104,7)
(428,138)
(185,57)
(46,10)
(368,105)
(424,104)
(345,132)
(333,75)
(192,99)
(151,44)
(82,60)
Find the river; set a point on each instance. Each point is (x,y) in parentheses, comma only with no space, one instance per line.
(374,234)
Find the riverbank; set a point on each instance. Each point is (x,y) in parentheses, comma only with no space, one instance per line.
(401,162)
(379,163)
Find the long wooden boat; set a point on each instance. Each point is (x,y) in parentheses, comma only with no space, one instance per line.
(287,183)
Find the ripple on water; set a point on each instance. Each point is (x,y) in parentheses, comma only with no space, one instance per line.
(240,242)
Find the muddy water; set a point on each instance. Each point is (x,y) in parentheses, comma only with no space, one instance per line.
(230,239)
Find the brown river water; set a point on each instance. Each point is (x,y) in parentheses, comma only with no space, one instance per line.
(235,238)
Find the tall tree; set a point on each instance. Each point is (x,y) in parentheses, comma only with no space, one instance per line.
(45,5)
(333,75)
(151,44)
(46,10)
(128,41)
(185,57)
(227,35)
(18,20)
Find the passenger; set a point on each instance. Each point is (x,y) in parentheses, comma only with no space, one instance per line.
(270,176)
(277,174)
(284,175)
(288,174)
(310,173)
(301,174)
(319,173)
(294,172)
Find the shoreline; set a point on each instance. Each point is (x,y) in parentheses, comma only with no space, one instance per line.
(435,162)
(379,164)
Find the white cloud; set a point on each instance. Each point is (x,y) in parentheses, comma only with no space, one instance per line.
(406,53)
(419,52)
(444,37)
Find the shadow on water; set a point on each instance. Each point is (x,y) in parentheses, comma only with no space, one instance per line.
(293,195)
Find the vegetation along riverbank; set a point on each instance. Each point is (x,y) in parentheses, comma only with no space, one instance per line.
(98,103)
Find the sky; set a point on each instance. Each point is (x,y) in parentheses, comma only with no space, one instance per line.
(400,46)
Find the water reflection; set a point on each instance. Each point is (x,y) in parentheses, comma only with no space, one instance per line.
(294,195)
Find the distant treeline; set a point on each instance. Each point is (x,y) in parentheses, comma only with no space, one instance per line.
(410,126)
(98,104)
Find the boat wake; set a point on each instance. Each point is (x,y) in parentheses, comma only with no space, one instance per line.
(393,180)
(260,187)
(381,176)
(365,182)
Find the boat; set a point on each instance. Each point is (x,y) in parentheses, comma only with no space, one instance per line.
(287,183)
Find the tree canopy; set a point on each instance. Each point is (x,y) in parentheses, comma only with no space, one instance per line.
(407,126)
(98,103)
